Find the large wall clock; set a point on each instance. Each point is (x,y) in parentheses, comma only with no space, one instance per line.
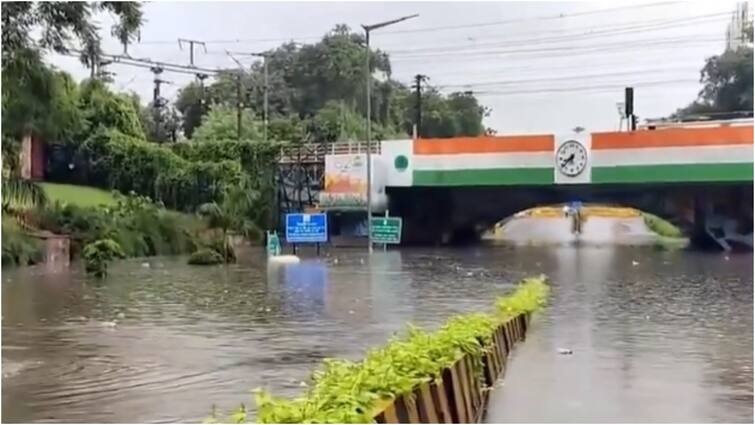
(571,158)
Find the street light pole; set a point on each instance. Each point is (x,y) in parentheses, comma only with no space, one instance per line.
(367,30)
(264,107)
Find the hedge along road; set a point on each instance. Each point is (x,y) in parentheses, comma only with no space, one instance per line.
(668,337)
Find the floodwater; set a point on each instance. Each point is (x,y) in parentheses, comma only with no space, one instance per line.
(656,335)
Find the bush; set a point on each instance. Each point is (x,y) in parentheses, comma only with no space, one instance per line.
(19,249)
(661,227)
(205,257)
(98,254)
(348,392)
(113,160)
(140,227)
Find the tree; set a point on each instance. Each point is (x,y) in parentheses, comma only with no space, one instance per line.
(322,85)
(60,23)
(21,192)
(241,209)
(221,123)
(727,82)
(192,107)
(102,108)
(37,100)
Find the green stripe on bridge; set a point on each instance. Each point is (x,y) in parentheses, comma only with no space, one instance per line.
(485,177)
(673,173)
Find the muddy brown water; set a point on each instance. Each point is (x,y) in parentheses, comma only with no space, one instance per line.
(657,336)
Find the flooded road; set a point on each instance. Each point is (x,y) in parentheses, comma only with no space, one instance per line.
(656,335)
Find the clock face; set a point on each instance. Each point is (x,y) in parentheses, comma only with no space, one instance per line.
(571,158)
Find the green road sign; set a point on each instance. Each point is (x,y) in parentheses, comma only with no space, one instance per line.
(386,230)
(273,244)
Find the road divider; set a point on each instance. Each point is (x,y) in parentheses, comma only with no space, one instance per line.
(442,376)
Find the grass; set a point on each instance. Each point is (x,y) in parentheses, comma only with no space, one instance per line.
(661,227)
(82,196)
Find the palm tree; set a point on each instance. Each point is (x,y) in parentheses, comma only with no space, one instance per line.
(217,218)
(18,191)
(239,210)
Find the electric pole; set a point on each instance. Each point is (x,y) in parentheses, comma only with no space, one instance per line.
(202,102)
(239,105)
(157,102)
(191,44)
(265,109)
(418,80)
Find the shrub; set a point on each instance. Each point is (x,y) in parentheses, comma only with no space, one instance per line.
(205,256)
(349,392)
(98,254)
(139,226)
(113,160)
(19,249)
(661,227)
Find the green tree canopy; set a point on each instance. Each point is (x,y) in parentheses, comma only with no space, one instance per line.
(36,98)
(323,86)
(221,124)
(102,108)
(727,82)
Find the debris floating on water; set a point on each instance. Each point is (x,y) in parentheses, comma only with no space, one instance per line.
(565,351)
(635,263)
(145,265)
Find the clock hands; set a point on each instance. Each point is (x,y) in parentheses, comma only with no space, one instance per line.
(568,160)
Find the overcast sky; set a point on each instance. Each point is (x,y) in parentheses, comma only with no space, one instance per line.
(542,67)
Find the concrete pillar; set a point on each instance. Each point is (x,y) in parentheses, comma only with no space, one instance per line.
(25,157)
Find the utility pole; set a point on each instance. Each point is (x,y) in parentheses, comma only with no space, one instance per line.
(418,80)
(265,110)
(191,44)
(157,102)
(368,77)
(629,108)
(265,107)
(239,105)
(202,102)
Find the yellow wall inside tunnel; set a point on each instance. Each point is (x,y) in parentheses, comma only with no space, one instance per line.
(556,211)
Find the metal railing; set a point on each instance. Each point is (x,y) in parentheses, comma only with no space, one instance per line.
(697,124)
(316,152)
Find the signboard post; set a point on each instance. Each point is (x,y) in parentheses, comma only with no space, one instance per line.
(386,230)
(273,244)
(306,228)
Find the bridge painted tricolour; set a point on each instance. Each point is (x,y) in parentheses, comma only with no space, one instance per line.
(672,155)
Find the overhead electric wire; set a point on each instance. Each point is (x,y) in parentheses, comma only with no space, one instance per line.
(521,20)
(579,35)
(561,78)
(598,65)
(431,29)
(586,88)
(560,51)
(149,64)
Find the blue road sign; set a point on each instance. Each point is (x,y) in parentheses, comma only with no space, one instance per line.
(303,228)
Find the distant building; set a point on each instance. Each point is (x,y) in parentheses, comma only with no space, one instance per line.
(735,31)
